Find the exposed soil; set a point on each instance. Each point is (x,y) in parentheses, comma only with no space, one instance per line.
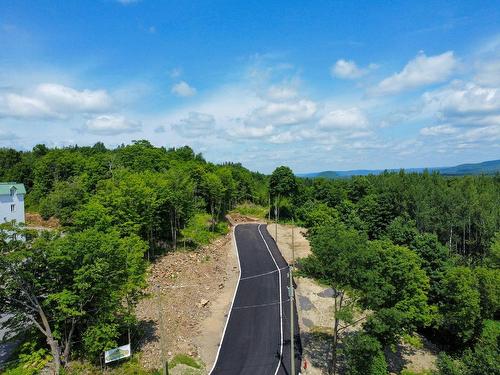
(196,289)
(301,244)
(413,359)
(236,218)
(35,221)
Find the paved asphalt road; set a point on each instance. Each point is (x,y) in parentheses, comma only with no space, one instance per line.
(256,340)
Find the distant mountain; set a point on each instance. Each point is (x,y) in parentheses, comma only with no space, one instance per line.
(486,167)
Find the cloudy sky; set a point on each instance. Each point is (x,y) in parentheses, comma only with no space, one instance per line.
(315,85)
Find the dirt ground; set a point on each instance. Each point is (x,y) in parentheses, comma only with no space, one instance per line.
(35,221)
(196,289)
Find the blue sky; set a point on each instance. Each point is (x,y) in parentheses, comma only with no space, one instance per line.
(315,85)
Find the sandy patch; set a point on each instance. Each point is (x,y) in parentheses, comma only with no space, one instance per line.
(301,244)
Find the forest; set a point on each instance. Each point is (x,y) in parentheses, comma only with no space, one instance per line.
(420,251)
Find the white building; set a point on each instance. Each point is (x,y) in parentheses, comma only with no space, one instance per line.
(12,202)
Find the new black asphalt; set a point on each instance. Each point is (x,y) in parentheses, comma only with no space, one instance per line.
(257,336)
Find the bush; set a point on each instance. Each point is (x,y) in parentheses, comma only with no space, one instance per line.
(448,366)
(198,230)
(413,340)
(31,360)
(251,209)
(363,355)
(185,360)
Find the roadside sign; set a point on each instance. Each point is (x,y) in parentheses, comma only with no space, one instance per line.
(117,353)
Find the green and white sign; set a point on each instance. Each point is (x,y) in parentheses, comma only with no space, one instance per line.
(117,353)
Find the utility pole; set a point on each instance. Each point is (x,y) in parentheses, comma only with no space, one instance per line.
(269,212)
(292,333)
(276,221)
(291,292)
(163,355)
(293,243)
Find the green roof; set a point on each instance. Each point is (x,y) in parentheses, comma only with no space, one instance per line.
(6,186)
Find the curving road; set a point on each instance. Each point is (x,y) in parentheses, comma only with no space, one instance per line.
(256,339)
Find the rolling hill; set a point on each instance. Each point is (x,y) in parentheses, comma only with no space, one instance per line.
(487,167)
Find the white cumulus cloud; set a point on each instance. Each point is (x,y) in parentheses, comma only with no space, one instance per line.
(183,89)
(51,100)
(279,93)
(111,125)
(250,132)
(438,130)
(14,105)
(66,99)
(461,98)
(283,113)
(348,69)
(195,124)
(422,70)
(344,119)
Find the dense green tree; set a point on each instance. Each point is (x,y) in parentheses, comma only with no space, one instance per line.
(363,355)
(282,183)
(314,214)
(435,259)
(402,231)
(213,193)
(63,285)
(448,365)
(459,304)
(489,290)
(65,198)
(484,358)
(493,256)
(397,290)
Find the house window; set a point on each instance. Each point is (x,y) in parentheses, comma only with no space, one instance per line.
(12,208)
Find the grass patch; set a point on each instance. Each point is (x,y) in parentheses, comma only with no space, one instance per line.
(199,230)
(130,366)
(415,341)
(185,360)
(321,331)
(423,372)
(251,209)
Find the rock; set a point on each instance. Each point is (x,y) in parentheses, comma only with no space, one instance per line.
(307,322)
(327,293)
(305,303)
